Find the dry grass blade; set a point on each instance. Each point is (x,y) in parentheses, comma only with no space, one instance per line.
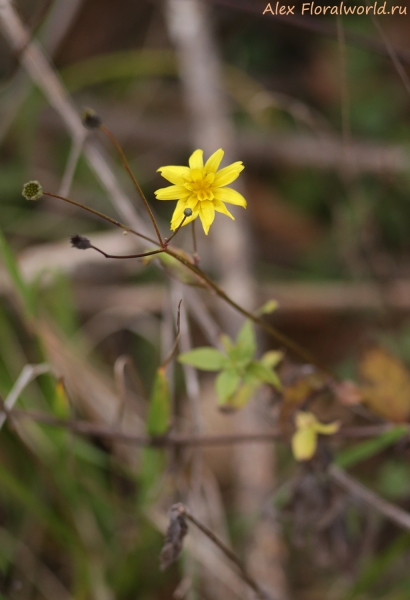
(27,375)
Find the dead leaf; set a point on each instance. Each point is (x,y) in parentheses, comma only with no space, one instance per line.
(174,537)
(387,384)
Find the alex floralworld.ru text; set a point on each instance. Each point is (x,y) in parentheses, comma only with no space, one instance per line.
(310,8)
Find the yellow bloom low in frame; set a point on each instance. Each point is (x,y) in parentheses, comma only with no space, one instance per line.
(304,440)
(201,187)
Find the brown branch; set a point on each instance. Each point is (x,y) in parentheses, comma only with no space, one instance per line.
(143,255)
(354,487)
(250,581)
(92,429)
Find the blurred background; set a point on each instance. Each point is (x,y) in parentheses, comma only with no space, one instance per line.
(317,108)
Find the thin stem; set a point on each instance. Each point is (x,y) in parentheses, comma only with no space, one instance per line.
(101,215)
(167,240)
(281,337)
(91,429)
(272,331)
(196,257)
(127,255)
(127,167)
(228,553)
(354,487)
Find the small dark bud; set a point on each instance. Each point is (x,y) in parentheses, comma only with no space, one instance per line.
(188,212)
(80,242)
(174,538)
(90,119)
(32,190)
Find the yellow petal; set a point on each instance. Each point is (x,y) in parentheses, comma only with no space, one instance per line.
(220,207)
(173,192)
(230,196)
(327,429)
(178,214)
(175,223)
(196,160)
(174,174)
(228,174)
(206,214)
(214,161)
(304,419)
(304,443)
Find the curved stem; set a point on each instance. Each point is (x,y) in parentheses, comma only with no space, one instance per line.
(272,331)
(101,215)
(127,255)
(127,167)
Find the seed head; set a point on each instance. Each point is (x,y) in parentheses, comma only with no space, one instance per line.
(188,212)
(90,119)
(32,190)
(80,242)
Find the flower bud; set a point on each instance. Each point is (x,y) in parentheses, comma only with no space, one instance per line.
(32,190)
(188,212)
(80,242)
(90,119)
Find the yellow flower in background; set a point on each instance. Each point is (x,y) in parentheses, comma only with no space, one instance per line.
(304,440)
(201,187)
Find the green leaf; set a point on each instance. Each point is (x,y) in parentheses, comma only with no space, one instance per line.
(272,358)
(360,452)
(246,341)
(226,343)
(264,374)
(226,384)
(159,413)
(269,307)
(242,396)
(206,358)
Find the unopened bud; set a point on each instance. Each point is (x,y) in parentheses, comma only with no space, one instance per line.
(80,242)
(90,119)
(188,212)
(32,190)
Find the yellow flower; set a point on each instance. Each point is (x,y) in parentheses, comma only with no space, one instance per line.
(304,440)
(201,187)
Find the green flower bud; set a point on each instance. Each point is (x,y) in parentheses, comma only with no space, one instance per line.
(188,212)
(32,190)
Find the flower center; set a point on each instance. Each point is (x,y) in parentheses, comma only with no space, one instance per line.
(200,184)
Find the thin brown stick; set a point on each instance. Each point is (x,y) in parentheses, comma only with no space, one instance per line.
(194,245)
(250,581)
(273,332)
(167,240)
(390,511)
(127,167)
(126,255)
(92,429)
(101,215)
